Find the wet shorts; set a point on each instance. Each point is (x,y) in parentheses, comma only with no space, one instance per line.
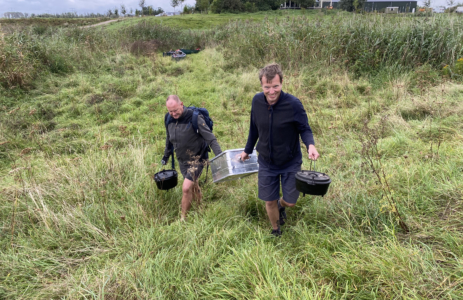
(269,183)
(192,170)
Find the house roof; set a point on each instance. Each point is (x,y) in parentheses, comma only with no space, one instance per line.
(371,1)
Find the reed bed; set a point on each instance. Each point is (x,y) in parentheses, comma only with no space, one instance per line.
(365,44)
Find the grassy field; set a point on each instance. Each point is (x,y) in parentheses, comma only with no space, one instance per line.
(53,21)
(208,21)
(82,136)
(41,24)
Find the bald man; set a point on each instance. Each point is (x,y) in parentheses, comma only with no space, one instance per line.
(190,148)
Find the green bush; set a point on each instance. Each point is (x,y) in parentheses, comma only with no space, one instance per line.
(18,62)
(40,29)
(456,70)
(167,37)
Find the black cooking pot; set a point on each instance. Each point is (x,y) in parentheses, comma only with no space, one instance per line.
(312,182)
(166,179)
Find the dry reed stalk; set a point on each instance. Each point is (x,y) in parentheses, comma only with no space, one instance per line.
(13,217)
(370,154)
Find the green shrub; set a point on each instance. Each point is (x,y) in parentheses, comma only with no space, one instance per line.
(456,70)
(166,37)
(40,29)
(59,65)
(18,64)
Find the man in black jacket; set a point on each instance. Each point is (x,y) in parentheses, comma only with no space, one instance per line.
(278,120)
(190,148)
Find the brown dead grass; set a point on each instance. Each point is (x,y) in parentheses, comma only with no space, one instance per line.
(145,48)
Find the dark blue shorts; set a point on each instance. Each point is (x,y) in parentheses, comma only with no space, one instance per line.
(269,183)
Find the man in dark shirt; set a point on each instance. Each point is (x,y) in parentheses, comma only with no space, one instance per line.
(190,148)
(278,120)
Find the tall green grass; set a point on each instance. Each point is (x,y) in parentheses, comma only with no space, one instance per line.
(28,54)
(171,38)
(81,218)
(366,44)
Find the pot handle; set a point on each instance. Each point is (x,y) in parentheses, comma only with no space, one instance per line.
(313,165)
(313,178)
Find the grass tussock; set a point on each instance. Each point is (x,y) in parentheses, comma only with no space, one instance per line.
(80,215)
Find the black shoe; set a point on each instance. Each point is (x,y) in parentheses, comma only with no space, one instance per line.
(276,232)
(282,212)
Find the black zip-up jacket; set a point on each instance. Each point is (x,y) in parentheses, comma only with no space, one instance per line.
(278,127)
(187,143)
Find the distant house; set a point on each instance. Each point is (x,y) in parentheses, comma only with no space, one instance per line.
(290,5)
(392,10)
(439,9)
(459,10)
(380,5)
(376,5)
(168,14)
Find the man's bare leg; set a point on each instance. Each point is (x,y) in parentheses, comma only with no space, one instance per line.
(285,204)
(187,197)
(191,191)
(273,213)
(282,204)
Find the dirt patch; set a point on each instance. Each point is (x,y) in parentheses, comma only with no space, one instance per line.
(145,48)
(95,99)
(101,23)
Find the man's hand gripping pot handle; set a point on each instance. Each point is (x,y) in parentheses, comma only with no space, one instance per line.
(313,153)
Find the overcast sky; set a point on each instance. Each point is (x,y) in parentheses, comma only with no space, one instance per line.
(79,6)
(96,6)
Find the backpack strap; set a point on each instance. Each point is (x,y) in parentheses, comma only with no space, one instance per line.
(194,120)
(171,148)
(194,124)
(173,160)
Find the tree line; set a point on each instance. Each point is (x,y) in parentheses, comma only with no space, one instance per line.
(145,10)
(20,15)
(214,6)
(237,6)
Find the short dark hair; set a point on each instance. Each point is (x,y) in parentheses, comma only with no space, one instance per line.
(270,71)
